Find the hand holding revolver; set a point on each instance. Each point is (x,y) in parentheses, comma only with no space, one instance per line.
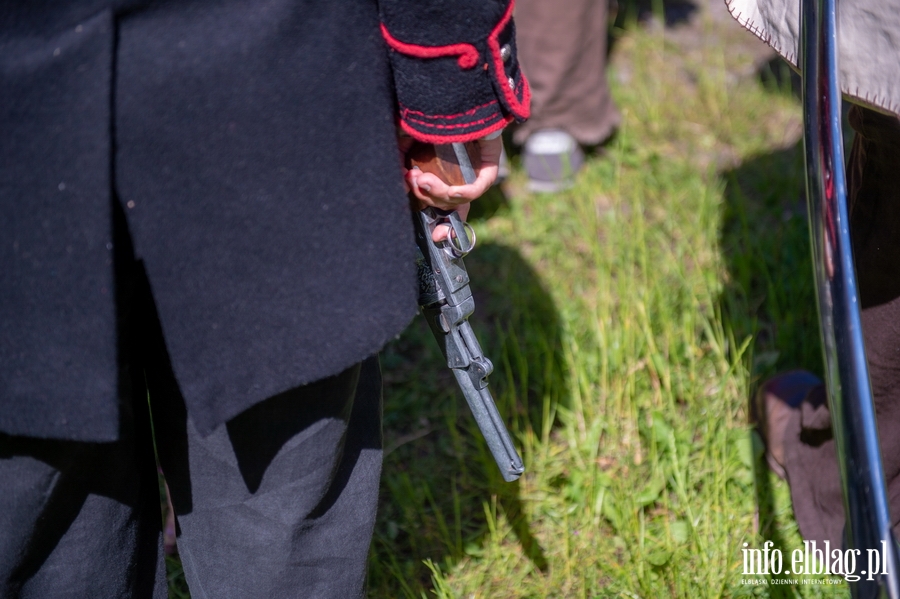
(442,186)
(444,294)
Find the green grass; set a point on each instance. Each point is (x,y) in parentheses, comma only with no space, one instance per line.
(629,319)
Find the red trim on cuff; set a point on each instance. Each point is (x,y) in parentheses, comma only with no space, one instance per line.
(469,112)
(468,54)
(460,138)
(521,109)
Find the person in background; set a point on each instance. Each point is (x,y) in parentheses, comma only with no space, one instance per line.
(562,50)
(205,240)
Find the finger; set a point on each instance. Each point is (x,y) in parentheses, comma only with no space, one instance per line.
(441,231)
(490,150)
(466,193)
(431,191)
(411,179)
(432,186)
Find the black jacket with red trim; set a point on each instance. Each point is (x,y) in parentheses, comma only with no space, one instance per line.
(251,145)
(455,67)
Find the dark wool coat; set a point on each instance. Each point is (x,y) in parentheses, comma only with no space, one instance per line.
(251,145)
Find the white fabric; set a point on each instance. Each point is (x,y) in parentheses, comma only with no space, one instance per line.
(868,42)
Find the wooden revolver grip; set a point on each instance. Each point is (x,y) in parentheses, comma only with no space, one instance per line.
(441,161)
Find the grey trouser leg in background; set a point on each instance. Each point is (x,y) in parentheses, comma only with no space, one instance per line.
(562,50)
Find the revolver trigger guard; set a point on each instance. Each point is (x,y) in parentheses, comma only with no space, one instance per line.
(460,230)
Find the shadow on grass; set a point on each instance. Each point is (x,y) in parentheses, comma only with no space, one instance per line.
(441,488)
(770,291)
(777,75)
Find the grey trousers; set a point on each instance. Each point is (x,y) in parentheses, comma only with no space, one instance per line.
(278,502)
(562,51)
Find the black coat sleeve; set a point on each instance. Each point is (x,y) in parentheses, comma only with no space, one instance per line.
(455,69)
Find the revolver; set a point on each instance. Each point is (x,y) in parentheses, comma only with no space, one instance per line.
(446,302)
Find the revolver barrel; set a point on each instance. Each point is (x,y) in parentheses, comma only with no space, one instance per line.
(447,303)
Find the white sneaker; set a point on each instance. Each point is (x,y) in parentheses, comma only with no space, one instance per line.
(551,158)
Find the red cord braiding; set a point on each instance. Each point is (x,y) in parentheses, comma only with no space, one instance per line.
(468,54)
